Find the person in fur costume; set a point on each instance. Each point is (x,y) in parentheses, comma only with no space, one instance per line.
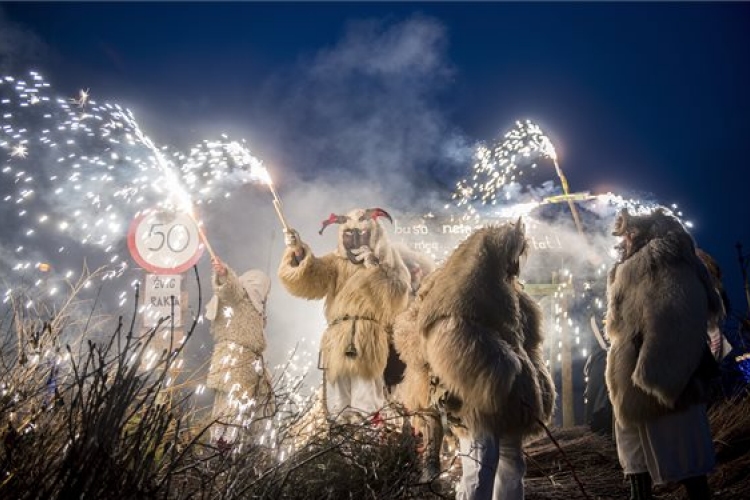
(419,265)
(661,301)
(413,389)
(481,340)
(365,284)
(237,373)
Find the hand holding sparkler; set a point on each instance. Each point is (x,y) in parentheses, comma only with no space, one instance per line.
(292,240)
(219,267)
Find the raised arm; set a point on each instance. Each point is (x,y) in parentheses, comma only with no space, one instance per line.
(302,273)
(227,286)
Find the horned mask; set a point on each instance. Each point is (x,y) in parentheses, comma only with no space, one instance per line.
(359,228)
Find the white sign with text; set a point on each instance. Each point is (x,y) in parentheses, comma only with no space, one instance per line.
(160,292)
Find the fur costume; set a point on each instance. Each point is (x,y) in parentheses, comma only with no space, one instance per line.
(482,336)
(413,391)
(237,309)
(420,265)
(365,284)
(416,391)
(237,371)
(660,302)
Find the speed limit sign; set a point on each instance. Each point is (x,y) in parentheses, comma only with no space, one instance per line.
(164,242)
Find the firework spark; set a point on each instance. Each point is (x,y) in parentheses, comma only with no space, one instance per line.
(499,169)
(76,172)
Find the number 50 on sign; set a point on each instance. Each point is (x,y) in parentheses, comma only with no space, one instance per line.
(164,242)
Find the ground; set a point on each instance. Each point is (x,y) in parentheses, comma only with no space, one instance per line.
(594,459)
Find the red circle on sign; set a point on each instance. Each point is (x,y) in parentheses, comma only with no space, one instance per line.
(144,263)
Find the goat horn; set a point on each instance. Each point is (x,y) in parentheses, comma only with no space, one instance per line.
(374,213)
(333,219)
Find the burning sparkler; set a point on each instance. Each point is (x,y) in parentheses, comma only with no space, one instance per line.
(214,163)
(499,169)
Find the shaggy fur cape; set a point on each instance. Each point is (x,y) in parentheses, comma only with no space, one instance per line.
(239,339)
(481,336)
(378,293)
(237,318)
(660,302)
(414,389)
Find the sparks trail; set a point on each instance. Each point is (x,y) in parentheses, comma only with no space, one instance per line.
(76,172)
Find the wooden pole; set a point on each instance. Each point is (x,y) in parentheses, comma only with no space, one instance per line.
(571,205)
(566,366)
(559,294)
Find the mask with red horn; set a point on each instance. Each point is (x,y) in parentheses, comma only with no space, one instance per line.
(333,219)
(374,213)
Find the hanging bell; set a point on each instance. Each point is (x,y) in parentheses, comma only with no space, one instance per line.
(351,350)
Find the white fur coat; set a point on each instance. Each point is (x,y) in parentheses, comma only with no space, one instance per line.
(373,294)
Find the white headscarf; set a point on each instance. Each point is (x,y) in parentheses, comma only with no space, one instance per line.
(257,285)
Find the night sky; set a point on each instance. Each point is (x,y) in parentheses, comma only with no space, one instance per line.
(649,98)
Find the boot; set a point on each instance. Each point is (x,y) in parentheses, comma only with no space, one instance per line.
(640,486)
(697,488)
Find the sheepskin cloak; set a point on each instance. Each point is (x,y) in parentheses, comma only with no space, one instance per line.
(481,335)
(365,299)
(660,302)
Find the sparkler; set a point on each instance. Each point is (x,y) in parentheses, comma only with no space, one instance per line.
(499,169)
(202,233)
(277,207)
(215,163)
(564,181)
(175,185)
